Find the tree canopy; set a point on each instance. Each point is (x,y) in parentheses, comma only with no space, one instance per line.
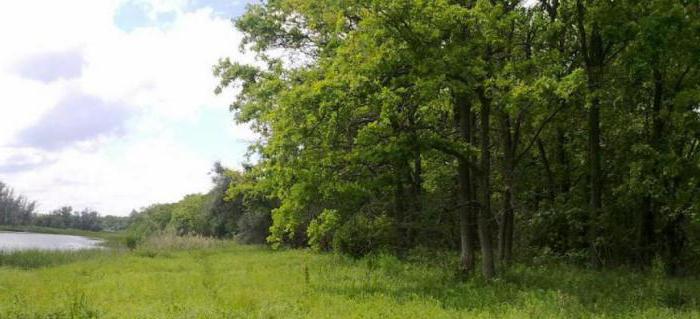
(566,126)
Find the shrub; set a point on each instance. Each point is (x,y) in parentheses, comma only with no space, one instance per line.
(131,242)
(322,228)
(253,227)
(187,215)
(362,235)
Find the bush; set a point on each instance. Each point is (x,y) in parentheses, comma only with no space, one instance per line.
(362,235)
(322,229)
(253,227)
(187,215)
(131,242)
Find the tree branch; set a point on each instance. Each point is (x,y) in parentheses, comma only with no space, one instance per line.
(537,134)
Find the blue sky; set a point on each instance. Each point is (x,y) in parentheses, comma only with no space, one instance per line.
(109,104)
(138,14)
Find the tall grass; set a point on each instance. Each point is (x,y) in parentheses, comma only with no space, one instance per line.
(168,240)
(164,243)
(30,259)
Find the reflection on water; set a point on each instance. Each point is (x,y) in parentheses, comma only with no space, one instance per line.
(23,241)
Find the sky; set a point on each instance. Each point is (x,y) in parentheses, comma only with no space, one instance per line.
(109,104)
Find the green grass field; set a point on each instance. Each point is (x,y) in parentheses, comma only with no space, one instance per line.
(225,280)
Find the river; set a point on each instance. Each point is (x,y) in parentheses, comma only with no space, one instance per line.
(12,241)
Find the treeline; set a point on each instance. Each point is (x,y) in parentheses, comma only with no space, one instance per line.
(17,210)
(567,127)
(229,210)
(14,209)
(66,217)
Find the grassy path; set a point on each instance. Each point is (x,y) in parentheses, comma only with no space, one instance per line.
(253,282)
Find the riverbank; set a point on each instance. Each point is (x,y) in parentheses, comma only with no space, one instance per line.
(38,258)
(225,280)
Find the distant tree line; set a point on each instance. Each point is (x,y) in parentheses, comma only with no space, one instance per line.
(14,209)
(17,210)
(231,209)
(66,217)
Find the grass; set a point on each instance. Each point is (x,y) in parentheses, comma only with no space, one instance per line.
(30,259)
(169,241)
(224,280)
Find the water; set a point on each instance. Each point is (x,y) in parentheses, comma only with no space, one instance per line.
(23,241)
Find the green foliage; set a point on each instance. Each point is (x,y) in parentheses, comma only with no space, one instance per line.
(187,217)
(253,227)
(131,242)
(150,220)
(322,229)
(592,151)
(66,217)
(231,209)
(14,209)
(362,235)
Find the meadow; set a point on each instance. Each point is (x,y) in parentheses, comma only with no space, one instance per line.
(205,278)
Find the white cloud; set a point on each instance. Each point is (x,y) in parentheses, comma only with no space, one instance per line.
(170,69)
(161,72)
(115,181)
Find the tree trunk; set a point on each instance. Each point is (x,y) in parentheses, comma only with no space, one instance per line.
(593,52)
(595,177)
(648,217)
(676,239)
(505,238)
(565,183)
(484,217)
(464,114)
(547,169)
(647,236)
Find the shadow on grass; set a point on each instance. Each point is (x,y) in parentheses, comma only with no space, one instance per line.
(556,289)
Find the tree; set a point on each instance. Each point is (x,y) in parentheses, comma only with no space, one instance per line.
(407,121)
